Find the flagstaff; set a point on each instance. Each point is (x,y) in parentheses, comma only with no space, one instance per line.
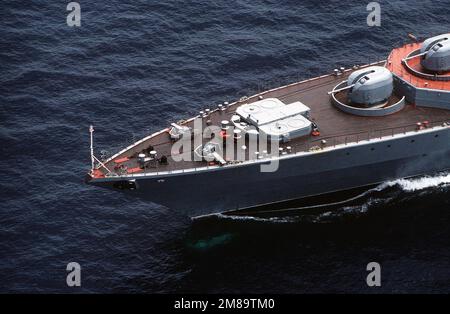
(91,131)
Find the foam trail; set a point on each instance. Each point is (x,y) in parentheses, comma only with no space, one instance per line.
(417,184)
(240,217)
(272,219)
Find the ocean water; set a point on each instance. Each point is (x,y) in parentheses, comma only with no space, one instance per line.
(133,67)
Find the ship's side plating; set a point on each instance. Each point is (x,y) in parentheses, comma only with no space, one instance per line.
(299,175)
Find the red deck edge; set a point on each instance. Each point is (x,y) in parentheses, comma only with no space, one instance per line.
(120,160)
(134,170)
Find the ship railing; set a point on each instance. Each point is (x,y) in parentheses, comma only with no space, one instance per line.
(366,136)
(270,86)
(331,142)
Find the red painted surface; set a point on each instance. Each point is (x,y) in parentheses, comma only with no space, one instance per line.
(394,64)
(97,173)
(224,134)
(134,170)
(120,160)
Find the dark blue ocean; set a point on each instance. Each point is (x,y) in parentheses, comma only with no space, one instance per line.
(131,69)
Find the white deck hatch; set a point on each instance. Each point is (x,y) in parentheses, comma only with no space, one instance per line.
(276,119)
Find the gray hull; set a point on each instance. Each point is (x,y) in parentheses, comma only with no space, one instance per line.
(334,169)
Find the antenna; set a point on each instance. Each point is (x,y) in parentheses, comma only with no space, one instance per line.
(91,130)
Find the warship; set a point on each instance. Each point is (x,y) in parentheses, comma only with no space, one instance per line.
(348,130)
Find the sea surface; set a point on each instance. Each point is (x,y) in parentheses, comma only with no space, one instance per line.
(130,69)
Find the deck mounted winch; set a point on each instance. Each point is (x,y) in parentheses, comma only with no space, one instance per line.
(370,86)
(177,131)
(436,53)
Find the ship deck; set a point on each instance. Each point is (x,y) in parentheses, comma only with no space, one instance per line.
(335,126)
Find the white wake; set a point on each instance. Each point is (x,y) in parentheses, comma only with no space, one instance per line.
(417,184)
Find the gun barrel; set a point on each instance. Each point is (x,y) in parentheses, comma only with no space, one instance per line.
(341,89)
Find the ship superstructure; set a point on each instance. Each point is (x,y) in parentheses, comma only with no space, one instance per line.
(352,128)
